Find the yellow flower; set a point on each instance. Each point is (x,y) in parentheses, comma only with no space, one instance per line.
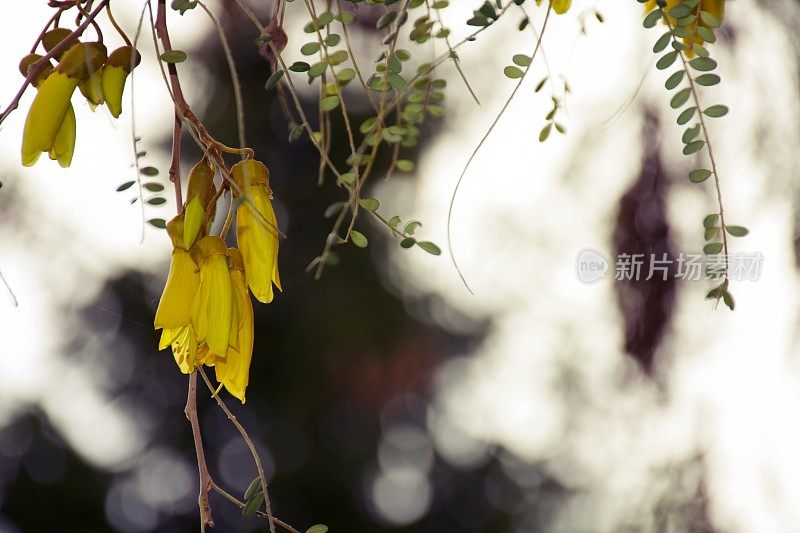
(51,106)
(174,309)
(119,65)
(184,346)
(714,7)
(64,145)
(233,371)
(257,228)
(183,281)
(199,206)
(212,310)
(559,6)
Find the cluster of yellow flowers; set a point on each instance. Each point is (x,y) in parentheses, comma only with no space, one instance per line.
(205,312)
(50,125)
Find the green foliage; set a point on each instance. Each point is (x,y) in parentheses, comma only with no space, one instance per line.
(173,56)
(695,58)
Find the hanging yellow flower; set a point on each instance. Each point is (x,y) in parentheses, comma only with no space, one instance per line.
(174,309)
(119,65)
(64,145)
(256,228)
(199,206)
(183,281)
(212,309)
(50,107)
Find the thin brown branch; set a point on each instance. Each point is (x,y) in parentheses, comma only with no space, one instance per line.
(250,446)
(205,478)
(483,140)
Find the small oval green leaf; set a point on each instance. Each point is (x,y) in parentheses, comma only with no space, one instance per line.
(710,220)
(273,80)
(329,103)
(408,242)
(252,488)
(737,231)
(521,60)
(358,238)
(370,204)
(652,18)
(686,115)
(512,72)
(252,505)
(386,19)
(173,56)
(699,175)
(674,80)
(703,64)
(680,98)
(662,43)
(707,80)
(693,147)
(333,209)
(429,247)
(347,177)
(716,111)
(404,165)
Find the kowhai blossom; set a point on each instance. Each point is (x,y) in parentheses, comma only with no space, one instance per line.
(51,106)
(256,228)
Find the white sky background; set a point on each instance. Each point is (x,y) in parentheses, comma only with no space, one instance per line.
(523,213)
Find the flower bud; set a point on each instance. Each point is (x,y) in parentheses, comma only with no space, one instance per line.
(200,204)
(53,38)
(115,73)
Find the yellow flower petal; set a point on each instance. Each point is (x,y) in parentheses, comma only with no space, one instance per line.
(234,370)
(257,235)
(183,282)
(115,73)
(64,145)
(168,337)
(92,89)
(46,116)
(561,6)
(113,84)
(192,221)
(212,310)
(184,349)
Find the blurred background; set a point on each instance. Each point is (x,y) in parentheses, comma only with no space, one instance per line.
(386,397)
